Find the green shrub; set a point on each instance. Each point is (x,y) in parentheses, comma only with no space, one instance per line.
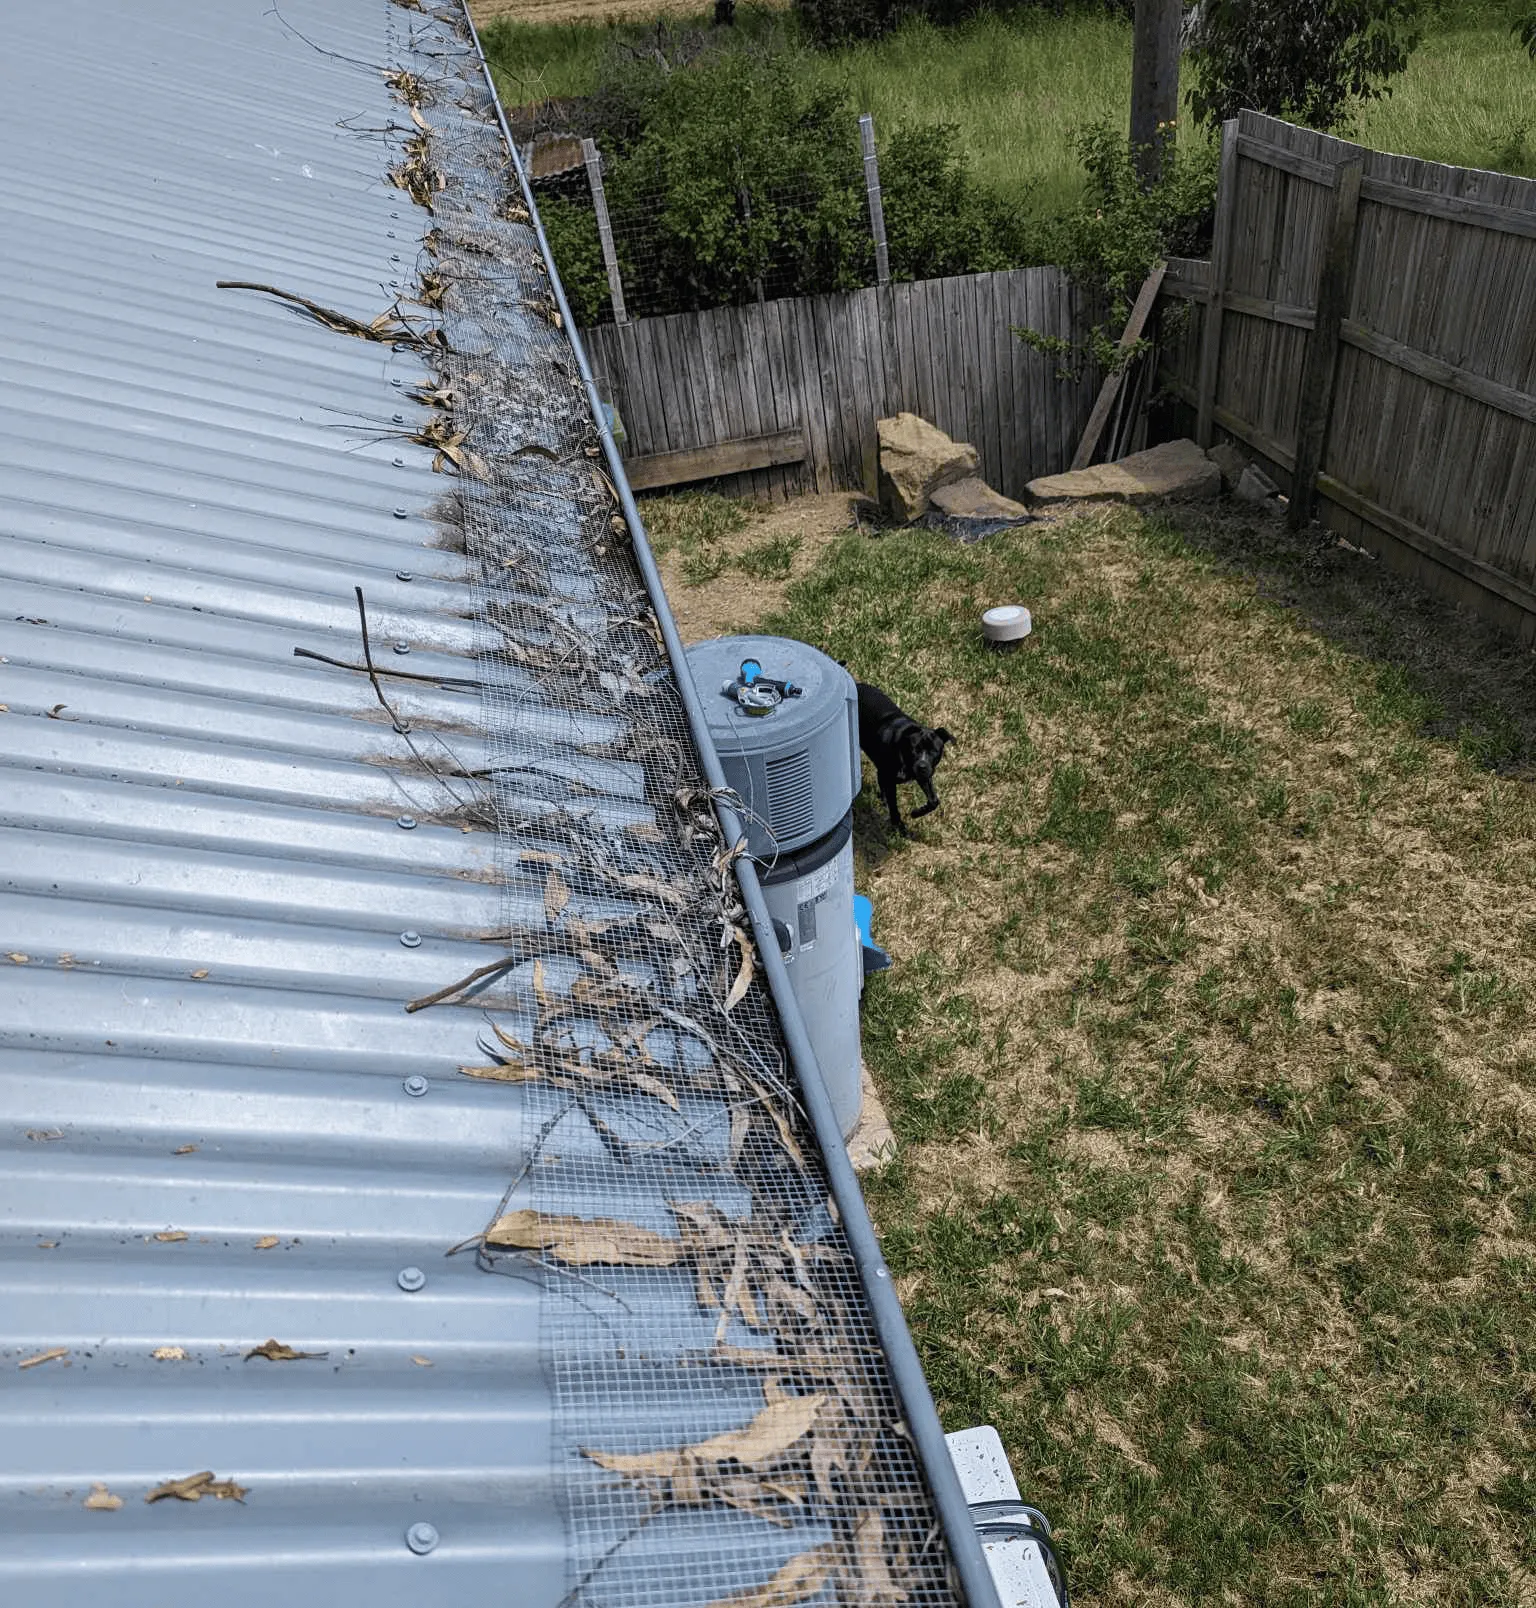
(1110,243)
(728,170)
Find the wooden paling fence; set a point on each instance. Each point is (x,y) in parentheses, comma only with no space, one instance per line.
(1367,325)
(783,396)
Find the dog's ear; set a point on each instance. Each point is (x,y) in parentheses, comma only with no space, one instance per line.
(945,735)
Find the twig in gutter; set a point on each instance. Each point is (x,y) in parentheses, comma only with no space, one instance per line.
(504,964)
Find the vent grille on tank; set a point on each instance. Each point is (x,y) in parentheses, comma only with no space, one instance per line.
(791,795)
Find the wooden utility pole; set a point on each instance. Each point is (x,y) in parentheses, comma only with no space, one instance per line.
(1155,82)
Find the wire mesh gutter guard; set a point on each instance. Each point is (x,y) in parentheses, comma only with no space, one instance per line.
(739,1412)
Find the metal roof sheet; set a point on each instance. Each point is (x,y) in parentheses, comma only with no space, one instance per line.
(225,863)
(202,879)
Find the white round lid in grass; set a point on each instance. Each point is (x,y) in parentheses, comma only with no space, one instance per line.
(1007,623)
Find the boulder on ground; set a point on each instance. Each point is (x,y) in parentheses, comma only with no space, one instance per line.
(973,498)
(1230,461)
(916,459)
(1177,470)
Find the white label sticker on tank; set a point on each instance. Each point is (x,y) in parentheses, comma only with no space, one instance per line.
(817,884)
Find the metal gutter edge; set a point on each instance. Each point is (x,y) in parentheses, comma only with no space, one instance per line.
(911,1384)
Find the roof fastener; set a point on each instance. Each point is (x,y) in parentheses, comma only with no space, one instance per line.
(421,1538)
(400,513)
(402,647)
(405,575)
(415,1085)
(397,382)
(399,418)
(399,463)
(406,822)
(411,940)
(412,1279)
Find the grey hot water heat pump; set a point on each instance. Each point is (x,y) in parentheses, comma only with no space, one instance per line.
(785,722)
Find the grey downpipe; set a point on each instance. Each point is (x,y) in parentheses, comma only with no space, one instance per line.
(890,1322)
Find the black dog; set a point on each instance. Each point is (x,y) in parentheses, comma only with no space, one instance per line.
(902,750)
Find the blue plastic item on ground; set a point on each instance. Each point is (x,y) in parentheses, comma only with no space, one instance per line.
(875,958)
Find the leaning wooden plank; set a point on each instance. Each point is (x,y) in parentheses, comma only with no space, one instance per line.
(1111,386)
(1322,357)
(708,463)
(1221,239)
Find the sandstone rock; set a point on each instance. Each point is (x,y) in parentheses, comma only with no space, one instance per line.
(1230,461)
(915,458)
(973,498)
(1178,470)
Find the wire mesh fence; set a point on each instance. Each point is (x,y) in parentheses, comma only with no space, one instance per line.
(717,239)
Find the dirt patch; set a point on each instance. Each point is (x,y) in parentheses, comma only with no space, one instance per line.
(736,600)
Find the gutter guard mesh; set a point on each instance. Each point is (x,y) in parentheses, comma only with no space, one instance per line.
(725,1427)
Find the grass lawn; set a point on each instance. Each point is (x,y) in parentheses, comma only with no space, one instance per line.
(1210,1043)
(1019,85)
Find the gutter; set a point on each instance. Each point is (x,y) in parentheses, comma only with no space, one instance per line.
(907,1377)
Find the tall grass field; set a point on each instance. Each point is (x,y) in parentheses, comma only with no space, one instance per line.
(1021,85)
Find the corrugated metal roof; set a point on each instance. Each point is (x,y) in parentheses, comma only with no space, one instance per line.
(203,885)
(228,856)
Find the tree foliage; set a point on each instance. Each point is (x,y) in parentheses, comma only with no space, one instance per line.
(1307,60)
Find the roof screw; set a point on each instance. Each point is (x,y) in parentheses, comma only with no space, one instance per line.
(389,234)
(421,1538)
(412,1279)
(406,823)
(411,940)
(397,382)
(399,463)
(415,1085)
(405,575)
(394,256)
(400,512)
(399,418)
(402,647)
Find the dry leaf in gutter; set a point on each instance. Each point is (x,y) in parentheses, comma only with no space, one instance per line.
(744,976)
(556,895)
(101,1500)
(194,1487)
(169,1354)
(870,1581)
(57,711)
(42,1135)
(798,1581)
(199,974)
(766,1439)
(52,1355)
(422,1362)
(503,1072)
(16,958)
(276,1351)
(582,1242)
(183,1150)
(266,1242)
(171,1236)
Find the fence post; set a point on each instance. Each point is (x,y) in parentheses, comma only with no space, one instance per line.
(1221,251)
(604,229)
(876,207)
(1322,361)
